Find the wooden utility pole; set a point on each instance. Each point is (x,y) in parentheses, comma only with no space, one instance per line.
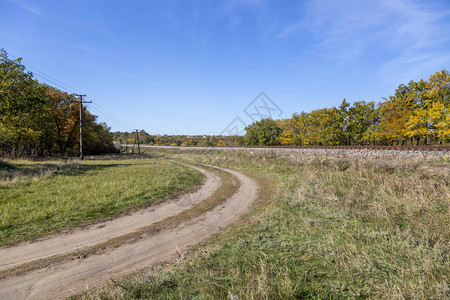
(81,122)
(137,139)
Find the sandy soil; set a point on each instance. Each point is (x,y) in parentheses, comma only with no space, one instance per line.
(80,238)
(75,276)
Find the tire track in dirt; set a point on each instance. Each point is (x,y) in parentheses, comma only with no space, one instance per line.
(80,238)
(77,275)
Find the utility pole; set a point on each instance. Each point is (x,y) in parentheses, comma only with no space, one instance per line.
(137,138)
(81,122)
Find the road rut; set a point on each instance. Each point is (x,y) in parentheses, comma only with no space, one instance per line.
(75,276)
(80,238)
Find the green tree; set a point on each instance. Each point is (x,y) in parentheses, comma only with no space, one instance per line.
(265,132)
(24,128)
(361,117)
(65,119)
(203,142)
(439,87)
(36,119)
(428,121)
(395,113)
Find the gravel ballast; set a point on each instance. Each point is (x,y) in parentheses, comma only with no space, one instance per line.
(341,153)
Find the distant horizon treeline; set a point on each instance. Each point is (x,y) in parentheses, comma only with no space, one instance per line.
(417,114)
(124,137)
(39,120)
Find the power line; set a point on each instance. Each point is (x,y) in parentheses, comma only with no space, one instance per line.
(105,118)
(54,83)
(105,115)
(109,116)
(110,119)
(57,83)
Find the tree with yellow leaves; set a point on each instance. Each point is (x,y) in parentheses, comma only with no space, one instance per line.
(428,122)
(443,127)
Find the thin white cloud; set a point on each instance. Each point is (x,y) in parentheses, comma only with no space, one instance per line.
(419,25)
(411,35)
(235,10)
(244,3)
(413,67)
(422,39)
(28,7)
(84,49)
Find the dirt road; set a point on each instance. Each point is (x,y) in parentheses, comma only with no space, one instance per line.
(88,236)
(75,276)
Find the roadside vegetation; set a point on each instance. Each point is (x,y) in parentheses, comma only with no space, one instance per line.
(322,228)
(44,197)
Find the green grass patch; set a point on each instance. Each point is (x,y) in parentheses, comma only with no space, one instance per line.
(73,194)
(228,187)
(323,229)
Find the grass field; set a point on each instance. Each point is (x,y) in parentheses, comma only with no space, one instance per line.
(39,198)
(323,228)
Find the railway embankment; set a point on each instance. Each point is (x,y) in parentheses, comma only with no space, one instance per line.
(340,152)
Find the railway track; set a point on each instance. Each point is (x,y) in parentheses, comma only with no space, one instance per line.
(414,148)
(355,147)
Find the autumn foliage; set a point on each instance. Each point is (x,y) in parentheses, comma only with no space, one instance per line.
(39,120)
(417,114)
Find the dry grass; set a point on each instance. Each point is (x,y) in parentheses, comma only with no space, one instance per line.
(15,171)
(323,228)
(228,187)
(33,205)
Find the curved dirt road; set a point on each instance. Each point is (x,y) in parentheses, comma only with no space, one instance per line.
(80,238)
(75,276)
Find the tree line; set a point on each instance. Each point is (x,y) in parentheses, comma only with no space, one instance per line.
(417,114)
(178,140)
(39,120)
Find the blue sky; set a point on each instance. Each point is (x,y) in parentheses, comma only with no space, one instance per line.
(192,67)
